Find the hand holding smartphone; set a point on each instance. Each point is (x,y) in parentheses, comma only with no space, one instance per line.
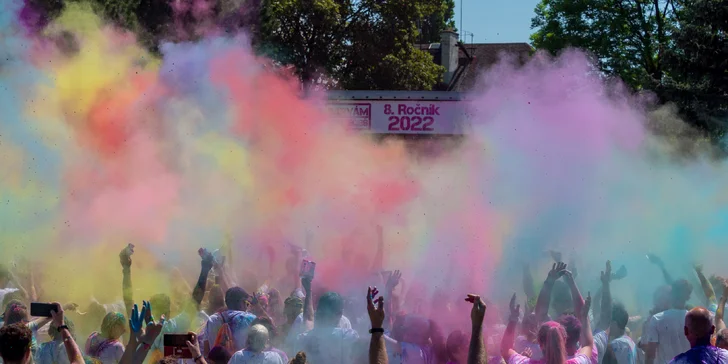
(176,345)
(308,269)
(38,309)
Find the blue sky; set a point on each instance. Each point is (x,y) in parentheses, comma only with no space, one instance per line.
(496,21)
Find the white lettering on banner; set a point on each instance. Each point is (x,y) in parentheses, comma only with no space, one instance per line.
(359,115)
(402,117)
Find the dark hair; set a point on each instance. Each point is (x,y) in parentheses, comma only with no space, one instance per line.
(235,298)
(15,342)
(721,337)
(11,297)
(168,359)
(218,355)
(161,304)
(455,341)
(300,358)
(268,323)
(681,290)
(330,306)
(572,325)
(620,315)
(16,312)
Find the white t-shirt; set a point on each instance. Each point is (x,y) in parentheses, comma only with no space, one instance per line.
(239,322)
(522,343)
(328,345)
(52,352)
(405,353)
(249,357)
(624,348)
(666,329)
(107,351)
(298,327)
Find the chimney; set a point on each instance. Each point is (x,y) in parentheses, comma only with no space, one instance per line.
(449,54)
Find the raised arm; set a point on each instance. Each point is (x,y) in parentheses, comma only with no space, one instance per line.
(586,339)
(578,301)
(126,288)
(72,350)
(544,297)
(140,338)
(308,303)
(198,293)
(705,284)
(509,337)
(654,259)
(377,347)
(719,323)
(528,284)
(476,352)
(605,317)
(392,282)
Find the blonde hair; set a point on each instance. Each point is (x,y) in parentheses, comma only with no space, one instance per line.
(552,338)
(257,338)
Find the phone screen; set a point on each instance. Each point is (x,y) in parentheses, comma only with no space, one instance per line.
(41,309)
(176,345)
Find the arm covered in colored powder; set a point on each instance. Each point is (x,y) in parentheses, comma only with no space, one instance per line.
(605,317)
(509,337)
(528,286)
(377,347)
(476,350)
(544,297)
(654,259)
(578,301)
(205,266)
(308,303)
(705,284)
(586,339)
(126,288)
(719,312)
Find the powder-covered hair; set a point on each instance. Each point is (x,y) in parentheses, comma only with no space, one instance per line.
(257,338)
(111,321)
(552,338)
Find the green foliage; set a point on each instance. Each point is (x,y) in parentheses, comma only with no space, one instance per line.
(364,44)
(627,38)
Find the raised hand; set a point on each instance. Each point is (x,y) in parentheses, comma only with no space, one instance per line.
(587,306)
(208,261)
(376,313)
(70,307)
(527,352)
(620,274)
(556,256)
(194,346)
(136,321)
(654,259)
(147,310)
(557,271)
(57,315)
(393,280)
(477,313)
(151,332)
(125,256)
(606,275)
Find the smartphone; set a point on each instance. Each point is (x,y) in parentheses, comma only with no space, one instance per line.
(42,309)
(176,345)
(308,269)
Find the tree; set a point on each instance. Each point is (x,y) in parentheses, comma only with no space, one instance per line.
(364,44)
(627,38)
(441,19)
(698,64)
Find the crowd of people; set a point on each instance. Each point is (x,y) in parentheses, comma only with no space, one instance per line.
(222,322)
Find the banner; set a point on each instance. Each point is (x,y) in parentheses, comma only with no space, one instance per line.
(400,117)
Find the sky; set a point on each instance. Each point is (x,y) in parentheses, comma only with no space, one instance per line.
(496,21)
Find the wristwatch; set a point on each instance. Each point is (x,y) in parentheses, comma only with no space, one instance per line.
(376,331)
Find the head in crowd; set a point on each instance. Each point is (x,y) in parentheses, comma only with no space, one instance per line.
(552,340)
(661,299)
(161,305)
(16,312)
(13,296)
(572,325)
(698,326)
(53,330)
(300,358)
(218,355)
(329,310)
(529,326)
(216,299)
(236,298)
(257,338)
(721,339)
(275,301)
(293,307)
(681,291)
(268,324)
(620,318)
(457,347)
(113,325)
(15,341)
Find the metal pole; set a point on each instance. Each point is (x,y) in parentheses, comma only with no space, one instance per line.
(461,20)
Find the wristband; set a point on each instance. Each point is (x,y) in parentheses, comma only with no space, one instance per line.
(376,331)
(62,327)
(198,358)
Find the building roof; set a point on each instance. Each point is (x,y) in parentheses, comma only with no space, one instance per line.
(476,58)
